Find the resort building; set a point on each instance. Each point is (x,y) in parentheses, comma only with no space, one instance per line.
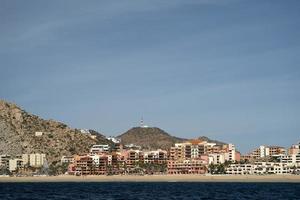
(4,160)
(291,160)
(158,156)
(15,164)
(187,167)
(230,152)
(83,165)
(190,150)
(36,159)
(266,151)
(216,158)
(261,168)
(132,157)
(194,149)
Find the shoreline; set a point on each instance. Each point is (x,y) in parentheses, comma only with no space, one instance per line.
(157,178)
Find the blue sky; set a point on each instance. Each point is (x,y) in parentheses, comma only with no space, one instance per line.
(225,69)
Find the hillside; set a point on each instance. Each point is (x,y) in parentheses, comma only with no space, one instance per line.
(149,138)
(17,135)
(204,138)
(155,138)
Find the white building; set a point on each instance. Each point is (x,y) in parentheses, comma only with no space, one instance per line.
(38,134)
(261,168)
(216,158)
(99,148)
(14,164)
(114,140)
(291,160)
(230,154)
(239,169)
(264,151)
(37,160)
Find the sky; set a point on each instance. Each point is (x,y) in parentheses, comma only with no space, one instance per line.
(226,69)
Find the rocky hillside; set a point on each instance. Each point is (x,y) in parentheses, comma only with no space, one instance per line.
(149,138)
(155,138)
(204,138)
(17,135)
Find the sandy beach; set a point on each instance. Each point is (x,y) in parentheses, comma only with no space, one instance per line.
(158,178)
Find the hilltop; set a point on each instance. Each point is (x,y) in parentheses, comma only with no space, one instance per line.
(149,138)
(155,138)
(17,135)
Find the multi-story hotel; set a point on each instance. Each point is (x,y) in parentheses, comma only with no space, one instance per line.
(34,159)
(191,166)
(190,150)
(83,165)
(265,151)
(291,160)
(261,168)
(15,164)
(195,149)
(158,156)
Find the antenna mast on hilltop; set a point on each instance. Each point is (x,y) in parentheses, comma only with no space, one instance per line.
(142,125)
(142,122)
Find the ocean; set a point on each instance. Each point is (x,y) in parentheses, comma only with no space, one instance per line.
(173,190)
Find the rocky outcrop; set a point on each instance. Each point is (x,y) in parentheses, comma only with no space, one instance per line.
(18,135)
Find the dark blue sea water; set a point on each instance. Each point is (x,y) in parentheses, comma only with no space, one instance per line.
(149,191)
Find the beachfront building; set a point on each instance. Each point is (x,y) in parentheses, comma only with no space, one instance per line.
(260,168)
(95,164)
(291,160)
(230,152)
(194,149)
(100,163)
(132,157)
(36,159)
(15,164)
(83,165)
(190,150)
(4,160)
(33,160)
(216,158)
(157,157)
(186,167)
(239,169)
